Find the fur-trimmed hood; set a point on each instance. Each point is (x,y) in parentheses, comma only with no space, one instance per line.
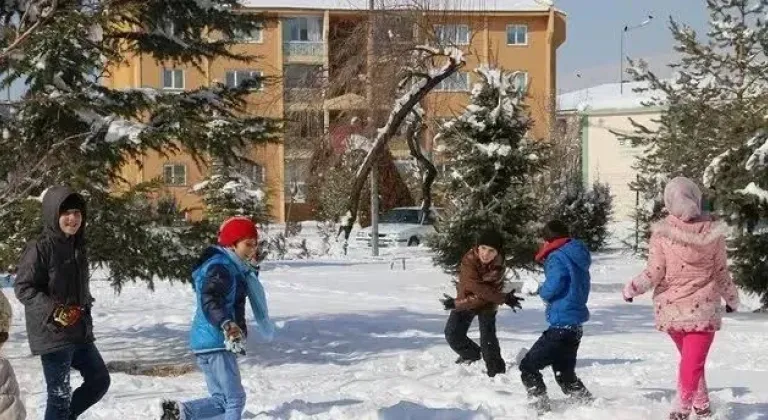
(699,239)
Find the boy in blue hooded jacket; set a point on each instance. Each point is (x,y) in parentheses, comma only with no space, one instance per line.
(223,278)
(565,292)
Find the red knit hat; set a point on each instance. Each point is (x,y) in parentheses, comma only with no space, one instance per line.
(235,229)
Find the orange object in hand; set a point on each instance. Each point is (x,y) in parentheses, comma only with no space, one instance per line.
(67,315)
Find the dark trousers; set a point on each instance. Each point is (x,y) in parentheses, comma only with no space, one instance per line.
(62,403)
(557,347)
(456,334)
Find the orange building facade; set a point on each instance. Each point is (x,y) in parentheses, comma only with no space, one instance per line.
(294,42)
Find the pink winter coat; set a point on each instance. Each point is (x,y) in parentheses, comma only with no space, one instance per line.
(687,268)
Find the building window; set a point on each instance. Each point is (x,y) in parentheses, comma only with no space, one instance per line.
(256,36)
(303,29)
(253,171)
(452,34)
(458,82)
(173,79)
(521,81)
(175,174)
(236,78)
(517,34)
(305,124)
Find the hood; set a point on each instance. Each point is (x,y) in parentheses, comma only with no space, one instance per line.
(578,253)
(207,254)
(682,198)
(52,201)
(699,239)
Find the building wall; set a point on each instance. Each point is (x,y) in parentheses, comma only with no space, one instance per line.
(488,46)
(608,160)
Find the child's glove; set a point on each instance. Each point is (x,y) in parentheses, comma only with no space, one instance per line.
(67,315)
(513,301)
(448,302)
(234,340)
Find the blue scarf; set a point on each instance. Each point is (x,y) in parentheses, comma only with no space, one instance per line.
(256,295)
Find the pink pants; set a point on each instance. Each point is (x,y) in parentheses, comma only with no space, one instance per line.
(691,384)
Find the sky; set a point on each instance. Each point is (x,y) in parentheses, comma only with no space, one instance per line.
(593,37)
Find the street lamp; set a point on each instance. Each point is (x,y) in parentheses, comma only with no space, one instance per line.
(624,31)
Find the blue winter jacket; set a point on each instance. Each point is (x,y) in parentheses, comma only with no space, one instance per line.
(567,284)
(222,283)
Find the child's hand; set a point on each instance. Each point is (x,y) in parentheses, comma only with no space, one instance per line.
(513,301)
(627,299)
(67,315)
(233,337)
(448,302)
(728,309)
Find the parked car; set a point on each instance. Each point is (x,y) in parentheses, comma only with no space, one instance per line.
(401,227)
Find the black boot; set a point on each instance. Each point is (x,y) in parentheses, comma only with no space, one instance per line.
(170,410)
(463,361)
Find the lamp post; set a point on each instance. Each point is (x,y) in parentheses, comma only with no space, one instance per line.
(624,31)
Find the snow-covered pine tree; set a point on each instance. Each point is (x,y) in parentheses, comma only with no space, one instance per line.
(229,192)
(71,127)
(493,169)
(739,177)
(587,213)
(713,103)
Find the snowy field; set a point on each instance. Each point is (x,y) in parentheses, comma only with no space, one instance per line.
(360,339)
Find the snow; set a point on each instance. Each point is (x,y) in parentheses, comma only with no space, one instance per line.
(449,5)
(362,339)
(494,149)
(754,190)
(711,171)
(757,159)
(608,96)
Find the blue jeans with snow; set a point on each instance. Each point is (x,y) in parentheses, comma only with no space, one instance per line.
(63,404)
(227,399)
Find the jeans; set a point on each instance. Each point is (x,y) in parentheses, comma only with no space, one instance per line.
(557,347)
(691,384)
(456,334)
(63,404)
(227,399)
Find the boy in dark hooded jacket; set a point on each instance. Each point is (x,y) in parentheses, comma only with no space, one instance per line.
(565,293)
(53,284)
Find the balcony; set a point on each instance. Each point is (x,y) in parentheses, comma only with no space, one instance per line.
(304,52)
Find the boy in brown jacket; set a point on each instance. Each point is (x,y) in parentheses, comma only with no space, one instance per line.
(479,293)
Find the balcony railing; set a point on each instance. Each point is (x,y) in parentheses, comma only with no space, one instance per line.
(304,50)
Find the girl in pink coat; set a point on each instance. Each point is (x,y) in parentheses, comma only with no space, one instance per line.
(687,270)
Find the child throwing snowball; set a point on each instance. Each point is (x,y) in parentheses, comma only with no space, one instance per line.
(223,279)
(687,270)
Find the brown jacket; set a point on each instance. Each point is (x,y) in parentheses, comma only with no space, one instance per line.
(480,285)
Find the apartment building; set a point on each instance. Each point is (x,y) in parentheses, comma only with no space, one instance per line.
(299,47)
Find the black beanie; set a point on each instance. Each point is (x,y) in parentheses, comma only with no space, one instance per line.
(491,238)
(73,202)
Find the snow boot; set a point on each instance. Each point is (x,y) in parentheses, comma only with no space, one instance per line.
(170,410)
(676,415)
(462,361)
(703,413)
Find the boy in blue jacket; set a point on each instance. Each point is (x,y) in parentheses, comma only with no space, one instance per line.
(223,278)
(565,292)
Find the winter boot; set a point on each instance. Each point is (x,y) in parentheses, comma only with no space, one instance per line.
(462,361)
(676,415)
(170,410)
(703,413)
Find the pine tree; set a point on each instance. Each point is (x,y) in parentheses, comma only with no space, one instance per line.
(71,128)
(712,104)
(493,170)
(739,177)
(586,213)
(229,192)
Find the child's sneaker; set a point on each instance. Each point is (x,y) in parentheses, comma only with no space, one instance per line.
(170,410)
(676,415)
(703,413)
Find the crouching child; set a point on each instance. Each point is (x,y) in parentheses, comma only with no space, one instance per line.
(565,293)
(223,278)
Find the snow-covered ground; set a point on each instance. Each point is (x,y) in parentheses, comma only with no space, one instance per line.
(360,339)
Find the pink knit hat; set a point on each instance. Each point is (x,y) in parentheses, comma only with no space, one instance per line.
(682,198)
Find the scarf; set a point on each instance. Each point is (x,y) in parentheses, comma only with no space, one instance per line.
(549,248)
(256,295)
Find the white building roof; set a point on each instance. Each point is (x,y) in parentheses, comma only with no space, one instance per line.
(441,5)
(607,96)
